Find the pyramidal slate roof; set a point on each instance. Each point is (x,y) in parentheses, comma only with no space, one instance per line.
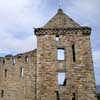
(61,20)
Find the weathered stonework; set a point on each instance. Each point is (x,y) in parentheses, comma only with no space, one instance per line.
(14,86)
(40,71)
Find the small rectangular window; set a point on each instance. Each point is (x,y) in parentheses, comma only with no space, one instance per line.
(2,93)
(21,72)
(61,78)
(60,54)
(57,37)
(57,94)
(73,98)
(3,61)
(73,50)
(26,59)
(5,73)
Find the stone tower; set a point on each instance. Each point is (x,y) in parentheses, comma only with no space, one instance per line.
(64,61)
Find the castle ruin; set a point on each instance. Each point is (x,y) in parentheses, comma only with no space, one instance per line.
(61,68)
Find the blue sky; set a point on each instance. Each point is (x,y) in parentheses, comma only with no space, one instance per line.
(19,17)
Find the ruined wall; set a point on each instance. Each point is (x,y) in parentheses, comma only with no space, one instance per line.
(80,81)
(34,75)
(39,78)
(17,86)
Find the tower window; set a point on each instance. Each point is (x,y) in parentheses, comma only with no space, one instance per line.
(60,54)
(2,93)
(5,73)
(57,38)
(61,78)
(21,72)
(73,50)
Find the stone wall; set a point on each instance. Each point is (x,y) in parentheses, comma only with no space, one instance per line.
(15,85)
(34,75)
(79,73)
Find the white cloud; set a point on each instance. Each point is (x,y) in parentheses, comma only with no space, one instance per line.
(86,10)
(21,45)
(17,17)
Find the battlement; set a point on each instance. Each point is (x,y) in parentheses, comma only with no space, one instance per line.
(63,31)
(17,73)
(23,57)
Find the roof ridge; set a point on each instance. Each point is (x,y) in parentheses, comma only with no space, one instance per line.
(61,20)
